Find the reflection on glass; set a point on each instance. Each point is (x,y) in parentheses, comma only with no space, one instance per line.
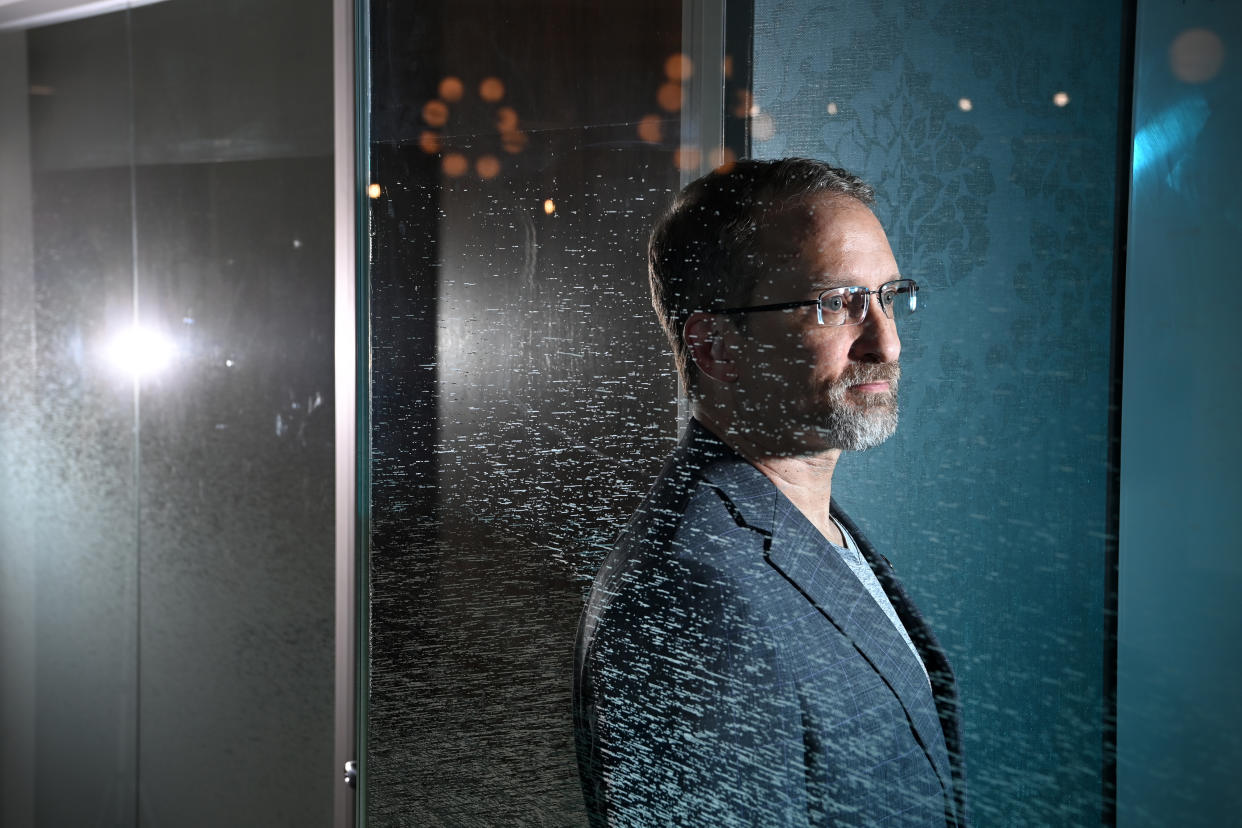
(491,89)
(451,89)
(516,418)
(1196,55)
(170,181)
(141,351)
(435,113)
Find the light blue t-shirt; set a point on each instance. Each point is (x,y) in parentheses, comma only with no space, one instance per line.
(858,564)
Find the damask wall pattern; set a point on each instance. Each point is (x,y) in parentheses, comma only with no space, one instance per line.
(989,131)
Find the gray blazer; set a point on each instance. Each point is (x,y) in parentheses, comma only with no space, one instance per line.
(731,670)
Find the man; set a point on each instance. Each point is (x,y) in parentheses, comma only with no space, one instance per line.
(746,656)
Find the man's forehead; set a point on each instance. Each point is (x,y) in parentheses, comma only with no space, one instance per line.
(822,215)
(821,242)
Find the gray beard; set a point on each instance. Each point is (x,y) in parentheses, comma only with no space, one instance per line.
(851,427)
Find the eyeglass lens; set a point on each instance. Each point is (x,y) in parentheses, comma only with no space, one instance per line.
(848,306)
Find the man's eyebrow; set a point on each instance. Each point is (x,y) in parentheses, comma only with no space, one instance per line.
(827,282)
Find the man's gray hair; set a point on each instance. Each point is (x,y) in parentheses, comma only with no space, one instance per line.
(704,252)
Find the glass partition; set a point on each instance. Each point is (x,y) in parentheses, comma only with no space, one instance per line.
(523,397)
(166,428)
(1179,735)
(518,406)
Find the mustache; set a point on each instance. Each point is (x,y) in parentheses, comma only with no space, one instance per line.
(864,372)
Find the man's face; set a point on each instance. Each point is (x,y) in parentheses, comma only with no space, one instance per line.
(808,387)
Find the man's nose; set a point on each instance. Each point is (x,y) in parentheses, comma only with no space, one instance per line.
(877,338)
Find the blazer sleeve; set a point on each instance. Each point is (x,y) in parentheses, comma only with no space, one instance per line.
(681,718)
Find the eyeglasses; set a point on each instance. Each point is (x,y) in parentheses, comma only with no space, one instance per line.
(848,305)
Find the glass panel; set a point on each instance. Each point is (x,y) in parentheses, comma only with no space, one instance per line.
(523,399)
(168,450)
(1180,577)
(520,399)
(70,499)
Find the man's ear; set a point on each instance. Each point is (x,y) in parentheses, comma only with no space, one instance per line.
(709,346)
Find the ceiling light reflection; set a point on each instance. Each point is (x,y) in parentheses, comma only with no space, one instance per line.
(435,113)
(1196,55)
(678,67)
(488,166)
(687,157)
(506,119)
(454,164)
(513,142)
(649,129)
(491,89)
(669,96)
(722,159)
(451,89)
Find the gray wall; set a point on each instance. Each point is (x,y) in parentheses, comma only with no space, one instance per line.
(991,500)
(1179,730)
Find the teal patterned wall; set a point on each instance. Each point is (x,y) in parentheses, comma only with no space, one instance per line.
(997,193)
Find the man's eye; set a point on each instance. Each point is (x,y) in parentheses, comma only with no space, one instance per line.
(833,304)
(888,297)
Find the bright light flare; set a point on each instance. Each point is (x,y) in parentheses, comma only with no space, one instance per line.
(141,352)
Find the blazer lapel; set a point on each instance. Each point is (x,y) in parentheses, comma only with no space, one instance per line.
(944,684)
(803,556)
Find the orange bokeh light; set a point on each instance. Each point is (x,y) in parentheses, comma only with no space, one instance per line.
(491,89)
(435,113)
(722,159)
(506,119)
(549,206)
(669,97)
(650,129)
(743,104)
(514,141)
(687,157)
(488,166)
(451,88)
(1196,55)
(454,164)
(678,67)
(374,191)
(429,142)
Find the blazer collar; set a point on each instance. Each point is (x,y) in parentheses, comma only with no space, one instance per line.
(804,557)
